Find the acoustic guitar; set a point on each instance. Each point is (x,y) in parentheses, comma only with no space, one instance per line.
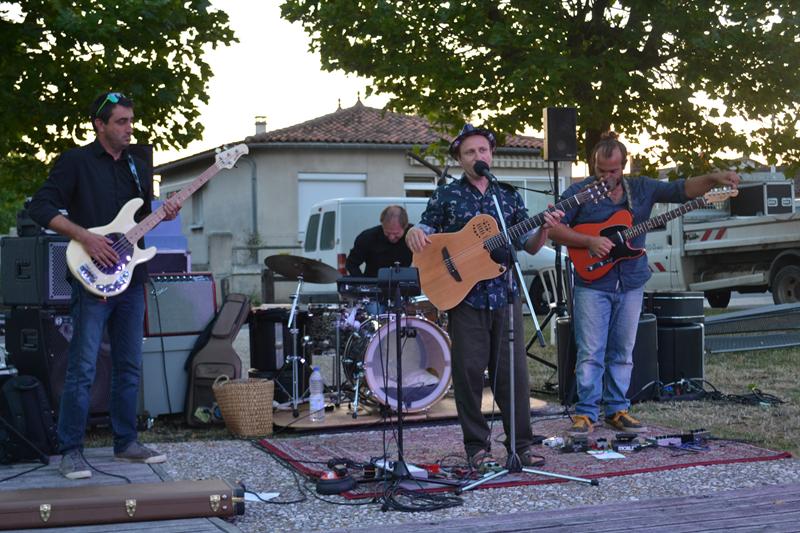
(619,230)
(454,262)
(112,280)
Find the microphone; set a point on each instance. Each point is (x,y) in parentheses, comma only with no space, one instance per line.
(482,169)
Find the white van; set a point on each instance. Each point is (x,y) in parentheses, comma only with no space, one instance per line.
(334,224)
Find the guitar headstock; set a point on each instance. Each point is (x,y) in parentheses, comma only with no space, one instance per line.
(229,157)
(720,195)
(594,192)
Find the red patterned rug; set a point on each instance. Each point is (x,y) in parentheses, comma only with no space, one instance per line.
(442,444)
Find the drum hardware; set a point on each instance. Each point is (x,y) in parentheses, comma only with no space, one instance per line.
(299,269)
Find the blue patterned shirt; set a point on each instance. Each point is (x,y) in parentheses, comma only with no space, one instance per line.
(453,205)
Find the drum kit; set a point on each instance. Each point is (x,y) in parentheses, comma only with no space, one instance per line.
(360,334)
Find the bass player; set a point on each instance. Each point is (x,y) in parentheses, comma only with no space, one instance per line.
(478,325)
(92,183)
(606,310)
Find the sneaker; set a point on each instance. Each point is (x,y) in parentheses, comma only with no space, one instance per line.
(136,452)
(530,459)
(74,466)
(482,461)
(581,425)
(622,421)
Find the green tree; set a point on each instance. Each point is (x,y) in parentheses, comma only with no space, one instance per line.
(683,72)
(59,55)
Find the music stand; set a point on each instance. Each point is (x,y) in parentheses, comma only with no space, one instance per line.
(400,283)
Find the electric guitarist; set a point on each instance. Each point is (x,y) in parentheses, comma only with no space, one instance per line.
(92,183)
(478,325)
(606,310)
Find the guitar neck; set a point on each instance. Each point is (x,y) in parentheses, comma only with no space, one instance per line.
(662,219)
(535,221)
(153,219)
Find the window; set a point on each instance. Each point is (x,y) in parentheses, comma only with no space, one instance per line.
(311,233)
(197,209)
(327,238)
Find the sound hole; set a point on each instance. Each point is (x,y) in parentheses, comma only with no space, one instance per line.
(124,250)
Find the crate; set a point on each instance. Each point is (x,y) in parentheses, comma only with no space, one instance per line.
(764,198)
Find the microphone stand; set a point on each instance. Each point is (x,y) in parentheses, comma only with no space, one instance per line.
(513,462)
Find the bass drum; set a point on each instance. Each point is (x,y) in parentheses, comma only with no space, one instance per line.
(371,358)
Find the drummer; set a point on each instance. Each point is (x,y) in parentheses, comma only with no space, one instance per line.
(381,246)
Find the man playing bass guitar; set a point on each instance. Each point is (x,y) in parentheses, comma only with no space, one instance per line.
(478,325)
(92,183)
(606,310)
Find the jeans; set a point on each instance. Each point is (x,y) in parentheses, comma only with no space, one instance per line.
(124,316)
(605,334)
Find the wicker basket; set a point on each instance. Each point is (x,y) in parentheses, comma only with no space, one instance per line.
(245,404)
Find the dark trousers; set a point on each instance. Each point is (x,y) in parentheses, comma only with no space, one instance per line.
(479,340)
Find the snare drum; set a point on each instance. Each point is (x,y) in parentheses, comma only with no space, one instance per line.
(371,358)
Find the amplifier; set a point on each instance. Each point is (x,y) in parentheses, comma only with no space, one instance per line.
(680,352)
(37,341)
(179,304)
(34,270)
(674,308)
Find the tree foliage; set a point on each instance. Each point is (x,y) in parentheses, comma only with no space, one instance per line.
(686,73)
(59,55)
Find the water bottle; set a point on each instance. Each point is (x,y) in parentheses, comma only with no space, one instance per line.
(317,399)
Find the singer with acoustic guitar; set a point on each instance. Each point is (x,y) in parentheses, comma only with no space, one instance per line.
(606,309)
(478,325)
(92,183)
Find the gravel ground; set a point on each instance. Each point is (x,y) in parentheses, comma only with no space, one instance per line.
(237,459)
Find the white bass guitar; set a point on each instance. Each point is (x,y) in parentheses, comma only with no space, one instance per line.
(112,280)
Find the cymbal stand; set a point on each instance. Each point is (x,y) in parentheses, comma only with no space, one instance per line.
(514,463)
(295,358)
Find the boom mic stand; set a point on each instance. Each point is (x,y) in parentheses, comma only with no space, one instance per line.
(513,462)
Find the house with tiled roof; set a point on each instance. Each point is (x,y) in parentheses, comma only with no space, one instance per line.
(260,207)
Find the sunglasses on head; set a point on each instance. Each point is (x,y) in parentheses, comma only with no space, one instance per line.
(110,97)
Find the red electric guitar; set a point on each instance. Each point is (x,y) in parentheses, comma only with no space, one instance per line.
(618,229)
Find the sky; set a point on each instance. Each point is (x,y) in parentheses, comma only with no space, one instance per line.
(269,72)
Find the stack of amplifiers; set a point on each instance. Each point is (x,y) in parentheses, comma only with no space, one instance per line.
(180,303)
(681,339)
(34,270)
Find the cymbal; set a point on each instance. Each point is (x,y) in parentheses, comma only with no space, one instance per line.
(292,267)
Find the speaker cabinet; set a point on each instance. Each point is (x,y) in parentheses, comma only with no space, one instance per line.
(179,304)
(680,352)
(644,377)
(560,142)
(37,340)
(34,270)
(674,308)
(164,375)
(270,339)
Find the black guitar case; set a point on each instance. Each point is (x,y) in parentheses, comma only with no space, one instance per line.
(213,355)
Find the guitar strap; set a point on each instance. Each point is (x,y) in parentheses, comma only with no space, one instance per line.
(135,175)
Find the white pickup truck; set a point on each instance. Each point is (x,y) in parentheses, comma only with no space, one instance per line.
(710,251)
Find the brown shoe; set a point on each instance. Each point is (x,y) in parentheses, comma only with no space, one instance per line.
(530,459)
(581,425)
(623,421)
